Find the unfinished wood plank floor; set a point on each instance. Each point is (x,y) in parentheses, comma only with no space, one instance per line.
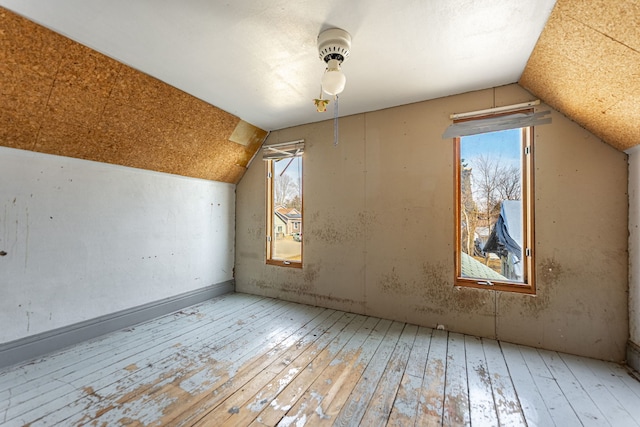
(245,360)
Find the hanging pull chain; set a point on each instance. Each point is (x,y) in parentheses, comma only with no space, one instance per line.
(335,121)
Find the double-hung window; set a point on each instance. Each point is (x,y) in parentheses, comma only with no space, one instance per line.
(284,203)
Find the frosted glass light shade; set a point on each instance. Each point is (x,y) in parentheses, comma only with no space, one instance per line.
(333,80)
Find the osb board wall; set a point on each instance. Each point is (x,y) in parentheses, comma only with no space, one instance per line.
(587,65)
(59,97)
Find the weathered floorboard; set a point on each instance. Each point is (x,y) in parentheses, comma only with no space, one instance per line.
(585,408)
(504,395)
(282,367)
(218,372)
(325,398)
(556,402)
(316,374)
(456,397)
(431,404)
(601,395)
(531,402)
(112,386)
(248,403)
(242,360)
(363,392)
(405,405)
(381,401)
(482,407)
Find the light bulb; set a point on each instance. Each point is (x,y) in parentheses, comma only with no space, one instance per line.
(333,79)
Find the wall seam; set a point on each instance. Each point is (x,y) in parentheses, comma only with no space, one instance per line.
(366,213)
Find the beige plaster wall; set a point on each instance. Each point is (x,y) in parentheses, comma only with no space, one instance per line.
(379,236)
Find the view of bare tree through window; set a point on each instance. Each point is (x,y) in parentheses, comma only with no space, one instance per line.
(491,208)
(286,236)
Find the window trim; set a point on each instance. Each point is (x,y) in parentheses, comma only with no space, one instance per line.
(270,213)
(528,221)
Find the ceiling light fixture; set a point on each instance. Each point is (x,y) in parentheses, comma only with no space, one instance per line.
(334,46)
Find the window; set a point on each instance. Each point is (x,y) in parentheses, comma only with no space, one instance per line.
(284,204)
(494,210)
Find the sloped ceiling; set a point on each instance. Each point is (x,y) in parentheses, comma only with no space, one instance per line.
(59,97)
(258,59)
(586,64)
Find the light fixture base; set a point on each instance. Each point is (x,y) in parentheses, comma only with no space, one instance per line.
(334,43)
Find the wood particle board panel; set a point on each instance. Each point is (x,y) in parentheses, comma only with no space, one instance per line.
(212,122)
(606,16)
(74,105)
(75,136)
(30,46)
(24,91)
(85,69)
(624,115)
(59,97)
(18,131)
(580,68)
(143,92)
(217,158)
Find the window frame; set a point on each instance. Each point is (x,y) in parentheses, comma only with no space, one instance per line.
(528,285)
(270,240)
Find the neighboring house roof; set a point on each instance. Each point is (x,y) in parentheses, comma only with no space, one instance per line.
(507,231)
(287,213)
(471,267)
(281,217)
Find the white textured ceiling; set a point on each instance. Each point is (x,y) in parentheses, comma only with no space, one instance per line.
(258,59)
